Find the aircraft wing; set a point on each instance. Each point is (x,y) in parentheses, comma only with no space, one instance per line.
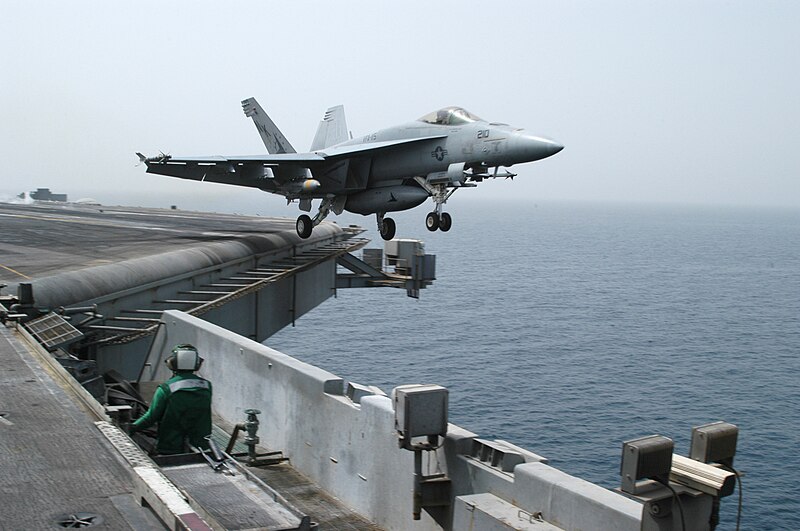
(267,172)
(270,160)
(273,173)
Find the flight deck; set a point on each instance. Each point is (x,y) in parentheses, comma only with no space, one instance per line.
(101,257)
(48,238)
(95,297)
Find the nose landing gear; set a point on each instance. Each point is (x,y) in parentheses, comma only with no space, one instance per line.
(440,194)
(432,221)
(445,222)
(442,221)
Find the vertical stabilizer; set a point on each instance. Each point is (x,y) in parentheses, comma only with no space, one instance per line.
(272,137)
(332,129)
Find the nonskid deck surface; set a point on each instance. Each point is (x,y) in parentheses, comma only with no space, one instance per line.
(310,499)
(55,465)
(298,490)
(234,502)
(44,239)
(50,447)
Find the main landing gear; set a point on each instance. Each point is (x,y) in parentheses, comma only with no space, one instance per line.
(305,224)
(442,221)
(386,226)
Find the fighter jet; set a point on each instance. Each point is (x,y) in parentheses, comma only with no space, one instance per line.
(390,170)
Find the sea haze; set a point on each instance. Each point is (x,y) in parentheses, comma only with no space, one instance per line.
(568,328)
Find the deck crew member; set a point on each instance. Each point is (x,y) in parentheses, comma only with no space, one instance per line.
(181,406)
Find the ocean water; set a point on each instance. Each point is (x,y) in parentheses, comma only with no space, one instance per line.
(567,328)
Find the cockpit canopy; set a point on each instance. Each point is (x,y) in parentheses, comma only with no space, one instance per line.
(450,116)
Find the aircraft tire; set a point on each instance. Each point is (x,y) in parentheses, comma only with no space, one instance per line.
(388,229)
(445,222)
(432,221)
(304,226)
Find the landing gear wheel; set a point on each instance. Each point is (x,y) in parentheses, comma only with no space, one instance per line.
(432,221)
(304,226)
(388,228)
(445,222)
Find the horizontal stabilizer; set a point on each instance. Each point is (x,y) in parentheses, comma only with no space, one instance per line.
(332,129)
(273,139)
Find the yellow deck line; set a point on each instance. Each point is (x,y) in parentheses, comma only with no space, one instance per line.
(15,272)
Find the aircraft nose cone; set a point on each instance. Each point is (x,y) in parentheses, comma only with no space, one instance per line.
(532,147)
(547,146)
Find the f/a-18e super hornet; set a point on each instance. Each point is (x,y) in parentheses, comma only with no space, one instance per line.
(390,170)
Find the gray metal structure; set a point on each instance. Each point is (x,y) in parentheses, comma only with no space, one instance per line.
(389,170)
(358,459)
(111,272)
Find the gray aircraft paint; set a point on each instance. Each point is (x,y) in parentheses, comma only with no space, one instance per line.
(388,170)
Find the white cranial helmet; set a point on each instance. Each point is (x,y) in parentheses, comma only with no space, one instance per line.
(184,358)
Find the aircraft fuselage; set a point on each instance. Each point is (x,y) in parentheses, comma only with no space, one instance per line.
(477,144)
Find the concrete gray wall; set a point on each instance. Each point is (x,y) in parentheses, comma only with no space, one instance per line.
(351,449)
(348,449)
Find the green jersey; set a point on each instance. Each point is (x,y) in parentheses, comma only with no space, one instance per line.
(182,408)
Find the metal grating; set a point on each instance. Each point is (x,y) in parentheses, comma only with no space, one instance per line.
(52,330)
(241,284)
(234,501)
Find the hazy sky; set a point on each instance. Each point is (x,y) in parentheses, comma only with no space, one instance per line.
(693,101)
